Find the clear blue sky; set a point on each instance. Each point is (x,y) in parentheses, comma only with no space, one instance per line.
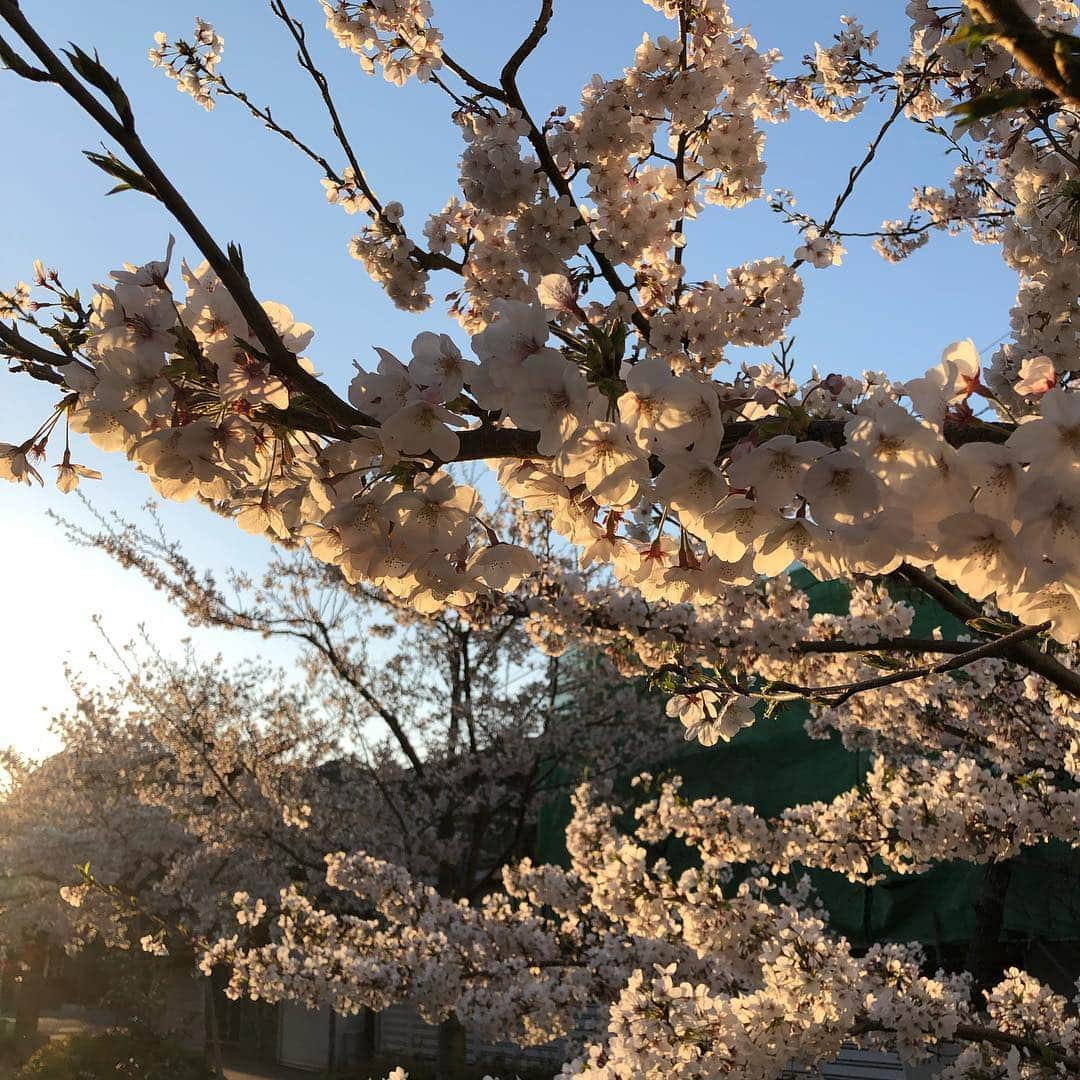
(251,188)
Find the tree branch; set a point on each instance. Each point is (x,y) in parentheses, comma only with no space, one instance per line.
(1023,654)
(22,348)
(471,81)
(979,1033)
(1035,51)
(512,96)
(347,675)
(512,66)
(844,692)
(491,442)
(122,130)
(900,645)
(902,101)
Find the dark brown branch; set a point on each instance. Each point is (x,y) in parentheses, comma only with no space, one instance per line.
(1038,118)
(836,695)
(39,372)
(296,31)
(979,1033)
(424,259)
(1024,654)
(471,81)
(22,348)
(898,645)
(983,955)
(348,675)
(839,694)
(490,442)
(512,96)
(263,114)
(902,101)
(955,605)
(319,639)
(1035,51)
(512,66)
(282,361)
(994,217)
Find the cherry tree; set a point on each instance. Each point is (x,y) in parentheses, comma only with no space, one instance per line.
(603,394)
(183,788)
(444,732)
(169,794)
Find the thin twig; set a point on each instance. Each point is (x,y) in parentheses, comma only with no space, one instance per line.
(512,96)
(902,101)
(995,647)
(426,259)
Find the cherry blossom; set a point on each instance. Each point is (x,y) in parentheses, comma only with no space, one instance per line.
(607,397)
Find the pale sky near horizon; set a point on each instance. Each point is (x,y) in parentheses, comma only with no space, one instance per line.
(251,188)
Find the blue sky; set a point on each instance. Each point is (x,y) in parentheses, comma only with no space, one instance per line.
(251,188)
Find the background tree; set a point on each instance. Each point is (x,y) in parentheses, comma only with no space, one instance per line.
(432,741)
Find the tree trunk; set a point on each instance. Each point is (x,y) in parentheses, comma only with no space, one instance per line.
(331,1049)
(983,957)
(213,1035)
(451,1060)
(29,990)
(367,1036)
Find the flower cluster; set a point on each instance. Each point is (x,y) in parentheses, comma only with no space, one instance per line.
(599,382)
(191,64)
(703,975)
(386,253)
(396,35)
(199,409)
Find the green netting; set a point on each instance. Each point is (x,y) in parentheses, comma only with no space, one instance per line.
(774,764)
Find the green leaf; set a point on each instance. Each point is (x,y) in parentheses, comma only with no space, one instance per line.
(998,101)
(404,474)
(970,35)
(96,74)
(56,335)
(618,339)
(797,416)
(882,663)
(14,62)
(771,426)
(130,179)
(665,682)
(986,625)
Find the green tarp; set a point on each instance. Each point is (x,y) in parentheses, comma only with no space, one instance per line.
(774,764)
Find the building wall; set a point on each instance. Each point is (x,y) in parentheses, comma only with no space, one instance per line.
(185,1009)
(314,1038)
(401,1036)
